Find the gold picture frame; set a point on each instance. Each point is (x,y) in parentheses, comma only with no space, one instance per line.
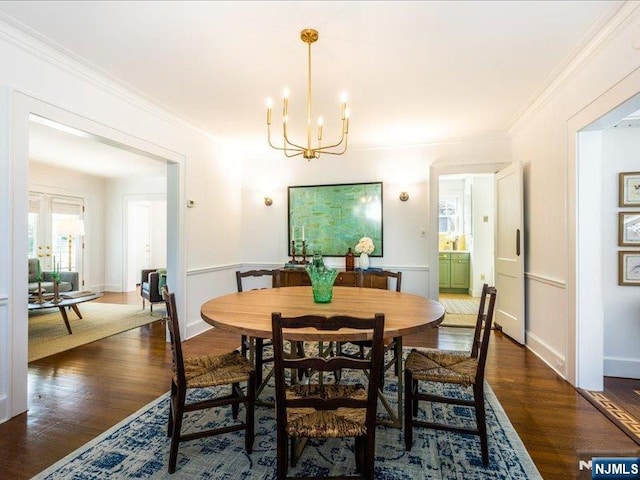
(629,189)
(629,267)
(629,229)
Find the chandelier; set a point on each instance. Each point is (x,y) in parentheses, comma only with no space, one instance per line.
(292,149)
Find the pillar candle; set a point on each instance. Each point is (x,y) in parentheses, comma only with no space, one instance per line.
(293,234)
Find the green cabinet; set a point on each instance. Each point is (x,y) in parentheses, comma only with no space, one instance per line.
(445,270)
(454,271)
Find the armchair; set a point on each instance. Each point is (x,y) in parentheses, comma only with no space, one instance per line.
(151,286)
(69,281)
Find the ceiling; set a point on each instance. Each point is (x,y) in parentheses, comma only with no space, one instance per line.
(415,72)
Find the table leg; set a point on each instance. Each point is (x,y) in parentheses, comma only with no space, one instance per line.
(77,310)
(63,312)
(395,417)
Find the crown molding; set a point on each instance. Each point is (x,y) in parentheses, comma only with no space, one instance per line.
(619,18)
(39,46)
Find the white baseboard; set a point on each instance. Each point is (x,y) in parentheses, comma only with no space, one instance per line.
(622,367)
(547,354)
(4,409)
(196,328)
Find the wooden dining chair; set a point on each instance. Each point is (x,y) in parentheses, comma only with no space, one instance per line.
(441,366)
(204,372)
(258,344)
(325,409)
(394,344)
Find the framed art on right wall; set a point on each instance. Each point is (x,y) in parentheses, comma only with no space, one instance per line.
(629,267)
(629,229)
(629,189)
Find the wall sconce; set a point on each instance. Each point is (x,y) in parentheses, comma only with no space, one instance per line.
(268,201)
(404,196)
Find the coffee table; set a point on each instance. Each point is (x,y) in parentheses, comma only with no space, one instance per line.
(67,299)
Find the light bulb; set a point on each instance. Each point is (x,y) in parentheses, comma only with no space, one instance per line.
(269,102)
(320,121)
(285,92)
(343,97)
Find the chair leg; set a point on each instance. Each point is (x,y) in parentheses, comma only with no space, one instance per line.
(481,421)
(359,453)
(243,345)
(398,354)
(369,455)
(409,413)
(175,434)
(294,448)
(338,373)
(299,346)
(258,355)
(172,398)
(282,457)
(235,407)
(249,418)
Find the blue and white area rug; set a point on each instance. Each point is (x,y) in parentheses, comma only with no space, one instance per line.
(138,447)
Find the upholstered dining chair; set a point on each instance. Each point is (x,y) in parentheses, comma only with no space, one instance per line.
(394,344)
(324,409)
(202,372)
(460,368)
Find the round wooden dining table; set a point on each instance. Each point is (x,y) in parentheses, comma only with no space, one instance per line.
(249,313)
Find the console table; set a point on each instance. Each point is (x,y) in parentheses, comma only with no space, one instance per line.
(297,277)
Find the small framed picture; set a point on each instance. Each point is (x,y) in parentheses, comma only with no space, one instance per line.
(629,189)
(629,268)
(629,229)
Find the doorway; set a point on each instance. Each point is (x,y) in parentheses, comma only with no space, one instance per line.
(24,107)
(466,207)
(146,223)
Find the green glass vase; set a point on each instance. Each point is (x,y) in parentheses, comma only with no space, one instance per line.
(322,279)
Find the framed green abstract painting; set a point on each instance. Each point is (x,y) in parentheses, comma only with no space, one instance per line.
(332,218)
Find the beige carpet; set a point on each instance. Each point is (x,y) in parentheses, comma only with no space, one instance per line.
(467,306)
(48,335)
(461,310)
(459,320)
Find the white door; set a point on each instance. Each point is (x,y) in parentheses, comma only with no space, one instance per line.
(509,280)
(139,250)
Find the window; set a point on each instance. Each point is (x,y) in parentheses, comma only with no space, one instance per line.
(449,217)
(51,237)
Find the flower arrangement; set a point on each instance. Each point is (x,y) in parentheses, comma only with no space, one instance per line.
(365,245)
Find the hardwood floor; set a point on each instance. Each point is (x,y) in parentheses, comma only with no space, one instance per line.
(76,395)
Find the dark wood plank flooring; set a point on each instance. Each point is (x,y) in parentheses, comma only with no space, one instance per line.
(76,395)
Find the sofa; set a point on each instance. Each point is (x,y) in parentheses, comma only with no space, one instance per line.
(151,282)
(69,281)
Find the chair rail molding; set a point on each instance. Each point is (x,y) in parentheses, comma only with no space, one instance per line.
(546,280)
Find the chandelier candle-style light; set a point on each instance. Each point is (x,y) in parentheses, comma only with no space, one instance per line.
(291,149)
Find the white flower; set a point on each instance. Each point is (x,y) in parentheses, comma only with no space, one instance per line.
(365,245)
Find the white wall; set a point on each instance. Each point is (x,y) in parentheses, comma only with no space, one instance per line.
(400,169)
(48,179)
(544,139)
(621,304)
